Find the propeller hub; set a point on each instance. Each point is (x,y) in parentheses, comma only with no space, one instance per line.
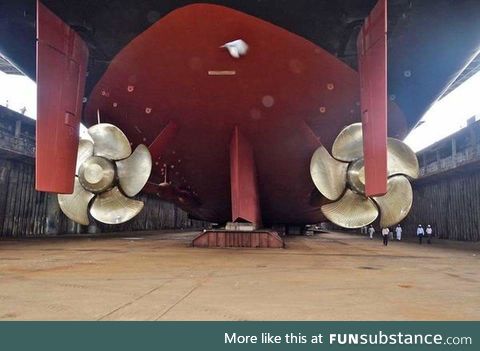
(93,173)
(356,176)
(96,174)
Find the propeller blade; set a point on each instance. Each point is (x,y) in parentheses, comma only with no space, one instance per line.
(401,159)
(112,207)
(328,174)
(351,211)
(348,146)
(85,150)
(134,171)
(75,205)
(396,203)
(109,141)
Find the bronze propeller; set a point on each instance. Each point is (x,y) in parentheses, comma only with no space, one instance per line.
(109,173)
(341,178)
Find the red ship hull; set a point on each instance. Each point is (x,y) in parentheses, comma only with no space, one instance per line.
(286,96)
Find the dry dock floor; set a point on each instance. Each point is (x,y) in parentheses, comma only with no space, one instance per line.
(157,276)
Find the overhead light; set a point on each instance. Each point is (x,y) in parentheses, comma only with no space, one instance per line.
(236,48)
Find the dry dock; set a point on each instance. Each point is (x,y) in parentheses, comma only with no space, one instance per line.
(150,276)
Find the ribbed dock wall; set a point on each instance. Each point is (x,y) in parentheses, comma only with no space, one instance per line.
(25,212)
(450,204)
(156,214)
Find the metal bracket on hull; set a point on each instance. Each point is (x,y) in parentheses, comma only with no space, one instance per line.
(161,142)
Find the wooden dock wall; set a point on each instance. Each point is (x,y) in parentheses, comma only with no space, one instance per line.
(156,214)
(449,203)
(22,209)
(25,212)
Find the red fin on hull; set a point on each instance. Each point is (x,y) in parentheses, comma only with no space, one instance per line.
(243,178)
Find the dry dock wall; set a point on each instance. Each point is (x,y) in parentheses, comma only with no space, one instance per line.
(25,212)
(447,194)
(446,197)
(449,203)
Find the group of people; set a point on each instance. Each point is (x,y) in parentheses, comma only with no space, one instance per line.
(386,233)
(421,233)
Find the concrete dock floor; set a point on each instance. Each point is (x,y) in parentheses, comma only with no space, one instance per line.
(150,276)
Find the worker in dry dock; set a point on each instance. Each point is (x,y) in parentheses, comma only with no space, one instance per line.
(385,233)
(420,233)
(371,231)
(398,232)
(429,232)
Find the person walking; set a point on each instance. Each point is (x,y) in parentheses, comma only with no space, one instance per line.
(371,231)
(429,232)
(398,232)
(420,233)
(385,233)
